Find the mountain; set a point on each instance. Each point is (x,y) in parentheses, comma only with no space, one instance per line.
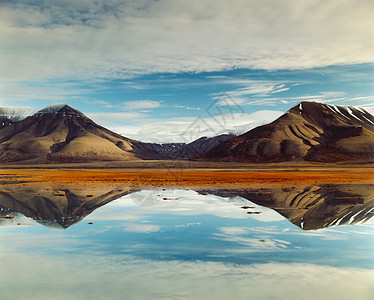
(63,134)
(309,131)
(187,151)
(167,150)
(202,145)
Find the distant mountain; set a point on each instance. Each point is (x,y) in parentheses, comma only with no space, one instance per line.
(204,144)
(63,134)
(167,150)
(309,131)
(187,151)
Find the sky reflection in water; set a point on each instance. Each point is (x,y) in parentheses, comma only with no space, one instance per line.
(184,244)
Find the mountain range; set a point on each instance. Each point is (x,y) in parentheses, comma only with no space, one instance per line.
(308,131)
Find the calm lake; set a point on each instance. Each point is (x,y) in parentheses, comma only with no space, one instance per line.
(310,242)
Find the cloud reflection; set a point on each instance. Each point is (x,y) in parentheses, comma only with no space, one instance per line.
(118,277)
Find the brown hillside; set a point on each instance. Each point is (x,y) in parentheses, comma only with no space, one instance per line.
(309,131)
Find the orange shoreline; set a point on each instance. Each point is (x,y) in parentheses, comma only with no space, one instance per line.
(218,178)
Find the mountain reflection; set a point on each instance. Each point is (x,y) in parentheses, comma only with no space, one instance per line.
(310,208)
(316,207)
(51,207)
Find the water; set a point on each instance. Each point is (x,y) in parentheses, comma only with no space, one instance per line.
(297,243)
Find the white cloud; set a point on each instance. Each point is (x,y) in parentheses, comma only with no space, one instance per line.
(254,92)
(263,238)
(113,276)
(85,39)
(258,239)
(262,93)
(258,88)
(279,90)
(49,93)
(141,228)
(234,230)
(140,104)
(322,96)
(186,107)
(363,99)
(100,102)
(255,244)
(106,118)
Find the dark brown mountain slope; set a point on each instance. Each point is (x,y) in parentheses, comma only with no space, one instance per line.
(309,131)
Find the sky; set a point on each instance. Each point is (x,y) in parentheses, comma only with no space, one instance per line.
(173,70)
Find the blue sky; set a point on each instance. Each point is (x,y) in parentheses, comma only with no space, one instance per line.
(151,69)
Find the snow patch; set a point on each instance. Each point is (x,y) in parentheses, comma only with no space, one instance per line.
(352,219)
(351,113)
(331,108)
(368,120)
(370,110)
(52,109)
(362,111)
(336,108)
(367,110)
